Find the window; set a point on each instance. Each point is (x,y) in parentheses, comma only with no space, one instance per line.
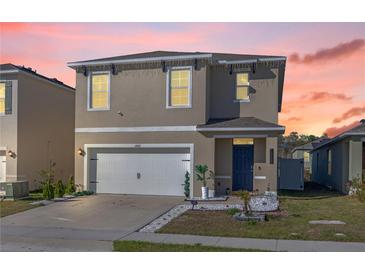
(242,141)
(2,98)
(99,91)
(5,98)
(329,162)
(179,87)
(306,156)
(242,87)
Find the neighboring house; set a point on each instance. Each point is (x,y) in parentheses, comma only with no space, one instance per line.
(36,125)
(143,120)
(303,152)
(340,159)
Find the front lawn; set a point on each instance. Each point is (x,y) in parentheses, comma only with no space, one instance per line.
(297,209)
(12,207)
(139,246)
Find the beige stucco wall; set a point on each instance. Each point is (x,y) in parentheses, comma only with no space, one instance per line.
(141,96)
(45,128)
(203,147)
(223,165)
(263,103)
(267,170)
(9,129)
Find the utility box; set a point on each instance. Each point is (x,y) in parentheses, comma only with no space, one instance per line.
(14,190)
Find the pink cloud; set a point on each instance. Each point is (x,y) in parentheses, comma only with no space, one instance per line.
(352,112)
(330,54)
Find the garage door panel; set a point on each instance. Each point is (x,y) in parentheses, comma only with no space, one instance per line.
(160,174)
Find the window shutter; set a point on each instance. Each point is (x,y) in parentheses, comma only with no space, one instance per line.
(8,98)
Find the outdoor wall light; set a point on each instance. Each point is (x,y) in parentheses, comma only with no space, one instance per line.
(81,152)
(11,154)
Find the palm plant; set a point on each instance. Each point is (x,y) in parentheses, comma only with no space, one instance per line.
(246,197)
(201,171)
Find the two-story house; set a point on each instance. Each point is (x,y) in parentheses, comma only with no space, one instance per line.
(143,120)
(37,120)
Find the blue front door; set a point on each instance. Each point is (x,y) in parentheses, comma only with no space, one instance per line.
(242,167)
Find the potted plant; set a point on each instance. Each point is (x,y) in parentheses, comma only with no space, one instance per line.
(201,175)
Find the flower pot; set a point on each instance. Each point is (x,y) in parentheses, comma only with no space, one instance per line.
(205,192)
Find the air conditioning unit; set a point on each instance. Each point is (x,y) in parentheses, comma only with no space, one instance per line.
(14,190)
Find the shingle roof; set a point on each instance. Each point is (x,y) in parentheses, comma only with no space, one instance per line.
(311,145)
(9,67)
(240,123)
(154,54)
(358,130)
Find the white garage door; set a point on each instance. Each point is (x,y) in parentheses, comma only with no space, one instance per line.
(141,173)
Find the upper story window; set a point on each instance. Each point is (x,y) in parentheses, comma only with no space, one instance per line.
(5,98)
(242,87)
(99,91)
(179,87)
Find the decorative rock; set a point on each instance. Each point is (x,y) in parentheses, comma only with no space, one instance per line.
(264,203)
(326,222)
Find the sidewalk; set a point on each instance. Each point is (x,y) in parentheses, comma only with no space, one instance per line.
(248,243)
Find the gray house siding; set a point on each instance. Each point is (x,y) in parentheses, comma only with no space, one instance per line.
(340,157)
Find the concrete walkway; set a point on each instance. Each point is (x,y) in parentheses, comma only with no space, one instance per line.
(249,243)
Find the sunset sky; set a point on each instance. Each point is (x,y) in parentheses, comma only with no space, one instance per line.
(324,87)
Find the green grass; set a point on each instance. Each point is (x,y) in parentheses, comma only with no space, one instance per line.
(12,207)
(139,246)
(297,209)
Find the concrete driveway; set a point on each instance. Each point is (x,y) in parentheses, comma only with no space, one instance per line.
(81,224)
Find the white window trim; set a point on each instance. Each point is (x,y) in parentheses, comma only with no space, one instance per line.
(248,89)
(4,113)
(89,108)
(190,68)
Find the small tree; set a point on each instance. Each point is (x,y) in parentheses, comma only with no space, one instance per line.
(59,189)
(201,174)
(47,181)
(70,187)
(246,198)
(187,184)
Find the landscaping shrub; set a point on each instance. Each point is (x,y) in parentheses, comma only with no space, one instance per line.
(59,189)
(47,181)
(356,187)
(70,187)
(246,197)
(233,211)
(187,184)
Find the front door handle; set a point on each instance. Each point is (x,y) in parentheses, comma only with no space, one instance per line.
(138,175)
